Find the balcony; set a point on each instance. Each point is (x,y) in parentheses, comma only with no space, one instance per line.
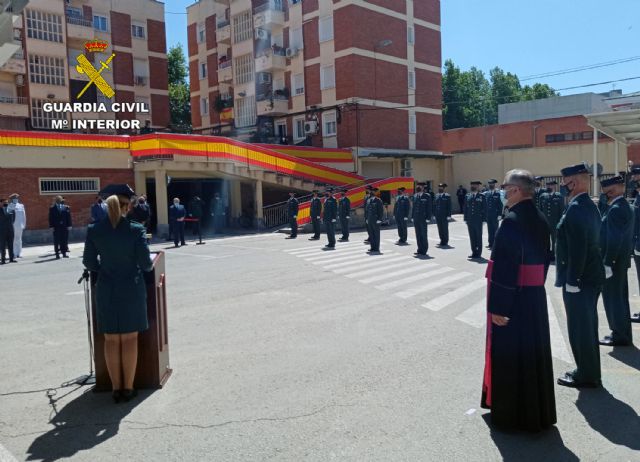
(79,28)
(271,60)
(269,15)
(223,32)
(225,71)
(16,64)
(275,104)
(14,106)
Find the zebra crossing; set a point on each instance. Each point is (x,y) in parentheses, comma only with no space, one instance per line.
(433,286)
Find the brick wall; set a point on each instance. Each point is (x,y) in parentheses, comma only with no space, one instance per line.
(123,69)
(158,70)
(156,36)
(383,128)
(87,13)
(428,46)
(192,40)
(310,38)
(394,5)
(429,132)
(196,118)
(312,91)
(355,78)
(26,183)
(212,70)
(210,31)
(194,76)
(120,29)
(427,10)
(160,116)
(428,89)
(309,6)
(633,153)
(214,115)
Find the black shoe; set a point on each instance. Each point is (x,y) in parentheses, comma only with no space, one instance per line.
(366,241)
(329,246)
(116,395)
(176,246)
(128,395)
(2,262)
(12,261)
(57,257)
(608,341)
(184,243)
(569,381)
(314,238)
(64,255)
(291,237)
(635,317)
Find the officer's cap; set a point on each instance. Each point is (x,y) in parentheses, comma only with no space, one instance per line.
(329,190)
(402,189)
(611,181)
(315,191)
(552,182)
(492,181)
(476,182)
(292,192)
(635,170)
(539,178)
(375,189)
(575,169)
(442,185)
(117,189)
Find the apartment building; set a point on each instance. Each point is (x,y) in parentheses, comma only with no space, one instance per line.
(353,74)
(53,33)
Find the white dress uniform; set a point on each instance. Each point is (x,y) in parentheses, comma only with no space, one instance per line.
(18,227)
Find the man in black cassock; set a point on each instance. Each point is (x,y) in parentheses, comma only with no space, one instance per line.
(518,375)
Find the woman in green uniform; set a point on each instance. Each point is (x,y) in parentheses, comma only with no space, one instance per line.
(117,250)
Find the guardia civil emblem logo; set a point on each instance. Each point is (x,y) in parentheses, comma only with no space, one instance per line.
(95,77)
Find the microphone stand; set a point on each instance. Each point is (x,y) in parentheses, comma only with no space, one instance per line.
(90,378)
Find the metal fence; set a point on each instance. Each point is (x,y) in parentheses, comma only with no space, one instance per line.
(275,215)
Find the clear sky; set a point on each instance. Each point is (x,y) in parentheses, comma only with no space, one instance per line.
(526,38)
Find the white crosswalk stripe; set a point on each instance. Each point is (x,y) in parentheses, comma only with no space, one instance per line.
(393,274)
(451,297)
(413,265)
(359,256)
(475,316)
(318,246)
(321,251)
(328,254)
(432,285)
(370,263)
(414,278)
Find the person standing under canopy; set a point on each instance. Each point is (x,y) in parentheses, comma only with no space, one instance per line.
(518,374)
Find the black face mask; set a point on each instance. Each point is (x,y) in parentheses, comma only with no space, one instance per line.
(564,190)
(440,190)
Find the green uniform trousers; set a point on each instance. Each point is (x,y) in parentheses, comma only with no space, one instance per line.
(615,295)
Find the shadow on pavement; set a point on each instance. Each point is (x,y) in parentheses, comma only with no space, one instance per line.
(629,355)
(612,418)
(519,446)
(84,423)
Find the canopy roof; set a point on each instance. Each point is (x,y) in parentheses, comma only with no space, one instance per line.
(622,126)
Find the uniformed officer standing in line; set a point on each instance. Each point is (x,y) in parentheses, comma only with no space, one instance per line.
(375,212)
(603,204)
(442,211)
(493,210)
(315,210)
(421,215)
(344,207)
(635,178)
(60,222)
(539,190)
(367,197)
(616,235)
(292,213)
(401,213)
(474,213)
(330,215)
(552,207)
(580,273)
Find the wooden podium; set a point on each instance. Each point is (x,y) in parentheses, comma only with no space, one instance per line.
(153,369)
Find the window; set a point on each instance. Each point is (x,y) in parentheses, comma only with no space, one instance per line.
(295,38)
(75,13)
(69,185)
(100,23)
(298,129)
(202,33)
(245,111)
(137,31)
(281,129)
(242,27)
(140,72)
(243,68)
(203,70)
(412,80)
(412,122)
(46,70)
(297,83)
(410,35)
(44,26)
(326,28)
(42,119)
(327,77)
(204,106)
(329,127)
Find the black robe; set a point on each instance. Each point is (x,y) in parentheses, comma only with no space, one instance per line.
(518,380)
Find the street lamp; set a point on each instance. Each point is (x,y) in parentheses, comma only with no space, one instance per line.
(381,44)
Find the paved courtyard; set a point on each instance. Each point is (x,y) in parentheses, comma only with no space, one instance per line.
(283,351)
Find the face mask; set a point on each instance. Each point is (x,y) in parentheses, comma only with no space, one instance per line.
(474,189)
(492,187)
(564,191)
(5,205)
(15,201)
(440,190)
(176,203)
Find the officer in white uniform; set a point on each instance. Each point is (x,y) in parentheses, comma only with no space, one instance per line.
(19,224)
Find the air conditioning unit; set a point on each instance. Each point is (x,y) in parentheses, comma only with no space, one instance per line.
(292,52)
(406,164)
(19,80)
(265,77)
(310,127)
(262,34)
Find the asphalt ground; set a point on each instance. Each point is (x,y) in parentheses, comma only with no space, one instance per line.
(283,351)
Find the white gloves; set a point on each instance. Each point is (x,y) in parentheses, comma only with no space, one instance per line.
(317,218)
(636,252)
(378,222)
(572,289)
(406,219)
(608,272)
(348,218)
(333,221)
(295,216)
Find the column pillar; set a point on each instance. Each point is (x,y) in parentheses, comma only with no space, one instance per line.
(162,204)
(235,198)
(617,153)
(258,199)
(595,162)
(141,183)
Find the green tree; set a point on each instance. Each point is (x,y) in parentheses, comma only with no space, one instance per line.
(505,88)
(537,91)
(179,96)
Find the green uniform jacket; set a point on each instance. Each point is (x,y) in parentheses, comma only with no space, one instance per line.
(474,210)
(616,234)
(375,209)
(578,259)
(552,207)
(121,291)
(330,209)
(345,207)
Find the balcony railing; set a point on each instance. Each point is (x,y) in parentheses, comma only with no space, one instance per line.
(224,64)
(79,21)
(274,5)
(13,100)
(223,23)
